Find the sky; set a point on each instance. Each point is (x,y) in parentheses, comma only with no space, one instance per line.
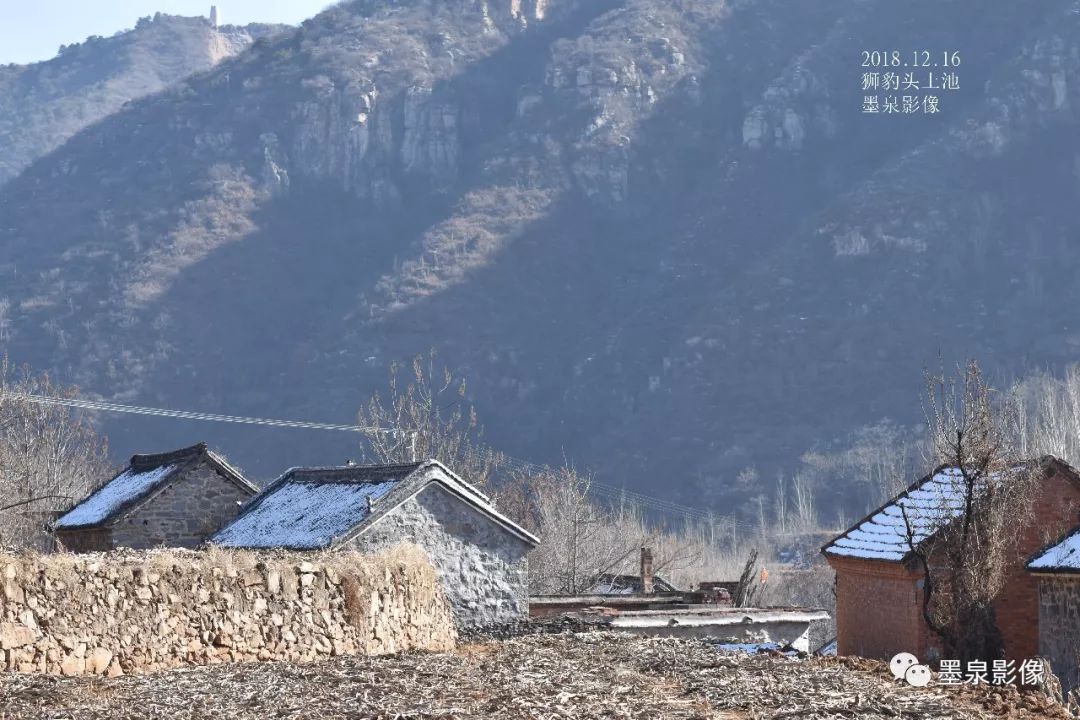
(32,30)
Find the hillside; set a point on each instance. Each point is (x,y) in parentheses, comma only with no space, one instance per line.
(44,104)
(660,238)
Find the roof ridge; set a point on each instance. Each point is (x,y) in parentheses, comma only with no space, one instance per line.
(346,473)
(152,460)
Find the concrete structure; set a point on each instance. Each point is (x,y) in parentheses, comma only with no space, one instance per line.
(670,616)
(1057,570)
(215,17)
(879,585)
(480,554)
(174,499)
(784,627)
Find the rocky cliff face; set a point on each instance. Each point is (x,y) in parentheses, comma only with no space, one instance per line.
(44,104)
(662,238)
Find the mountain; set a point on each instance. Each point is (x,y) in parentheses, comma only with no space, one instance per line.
(45,103)
(659,237)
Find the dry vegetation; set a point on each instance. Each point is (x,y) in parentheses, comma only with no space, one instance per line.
(591,675)
(49,458)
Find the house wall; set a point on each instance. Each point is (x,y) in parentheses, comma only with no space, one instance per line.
(483,566)
(878,604)
(878,609)
(190,509)
(1056,513)
(81,541)
(1059,627)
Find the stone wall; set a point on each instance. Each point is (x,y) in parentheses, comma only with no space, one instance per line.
(484,567)
(190,509)
(117,613)
(1059,627)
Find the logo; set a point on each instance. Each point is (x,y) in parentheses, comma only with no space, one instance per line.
(905,666)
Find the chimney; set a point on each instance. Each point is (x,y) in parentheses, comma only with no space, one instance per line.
(646,571)
(215,19)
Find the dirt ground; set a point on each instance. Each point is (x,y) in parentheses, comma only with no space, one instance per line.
(588,675)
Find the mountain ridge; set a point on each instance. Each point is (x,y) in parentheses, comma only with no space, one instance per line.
(43,104)
(659,239)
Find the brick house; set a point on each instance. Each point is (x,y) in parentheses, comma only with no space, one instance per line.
(174,499)
(1057,570)
(879,585)
(481,555)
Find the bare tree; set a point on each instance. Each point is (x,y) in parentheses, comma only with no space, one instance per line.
(427,417)
(781,504)
(49,458)
(1048,418)
(805,510)
(963,538)
(581,540)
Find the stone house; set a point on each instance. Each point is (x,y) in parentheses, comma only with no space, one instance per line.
(173,499)
(481,555)
(1057,570)
(879,584)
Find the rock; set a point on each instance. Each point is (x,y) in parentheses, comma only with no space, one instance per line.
(72,665)
(13,635)
(99,661)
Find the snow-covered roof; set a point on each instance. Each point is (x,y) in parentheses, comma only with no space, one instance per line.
(121,491)
(320,508)
(144,475)
(308,512)
(929,505)
(1064,557)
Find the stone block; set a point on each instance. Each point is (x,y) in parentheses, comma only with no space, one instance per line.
(13,635)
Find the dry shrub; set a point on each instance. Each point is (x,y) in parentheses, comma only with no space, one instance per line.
(50,458)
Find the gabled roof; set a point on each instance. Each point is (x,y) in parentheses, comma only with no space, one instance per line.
(141,480)
(323,508)
(1061,557)
(930,504)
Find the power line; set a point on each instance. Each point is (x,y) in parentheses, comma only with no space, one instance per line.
(188,415)
(610,492)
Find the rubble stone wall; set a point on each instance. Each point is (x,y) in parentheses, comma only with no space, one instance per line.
(117,613)
(485,568)
(1059,627)
(185,513)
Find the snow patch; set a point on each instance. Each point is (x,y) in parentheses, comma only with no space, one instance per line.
(928,507)
(1063,556)
(124,488)
(304,515)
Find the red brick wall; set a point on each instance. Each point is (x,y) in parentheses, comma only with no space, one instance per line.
(878,610)
(1056,513)
(878,604)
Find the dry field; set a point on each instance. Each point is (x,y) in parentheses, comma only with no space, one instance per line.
(588,675)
